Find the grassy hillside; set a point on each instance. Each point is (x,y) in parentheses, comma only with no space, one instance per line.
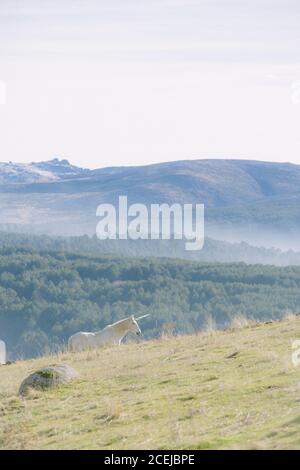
(183,392)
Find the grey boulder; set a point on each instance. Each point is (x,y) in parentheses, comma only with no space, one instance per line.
(48,377)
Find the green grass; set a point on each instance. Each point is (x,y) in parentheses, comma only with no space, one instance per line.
(175,393)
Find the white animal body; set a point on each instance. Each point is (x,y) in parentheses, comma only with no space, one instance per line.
(111,334)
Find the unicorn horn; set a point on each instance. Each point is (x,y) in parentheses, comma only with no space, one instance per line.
(143,316)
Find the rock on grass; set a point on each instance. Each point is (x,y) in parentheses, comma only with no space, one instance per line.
(48,377)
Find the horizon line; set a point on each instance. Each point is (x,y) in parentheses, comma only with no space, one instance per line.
(154,163)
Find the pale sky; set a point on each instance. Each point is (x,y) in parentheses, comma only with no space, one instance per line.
(122,82)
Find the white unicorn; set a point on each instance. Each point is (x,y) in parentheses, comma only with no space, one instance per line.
(111,334)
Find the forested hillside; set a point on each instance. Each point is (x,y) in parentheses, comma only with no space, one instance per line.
(47,296)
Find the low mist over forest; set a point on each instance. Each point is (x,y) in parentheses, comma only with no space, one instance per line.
(212,251)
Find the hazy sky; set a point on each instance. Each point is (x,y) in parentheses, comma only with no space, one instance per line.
(118,82)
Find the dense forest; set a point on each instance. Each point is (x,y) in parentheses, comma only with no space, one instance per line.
(45,295)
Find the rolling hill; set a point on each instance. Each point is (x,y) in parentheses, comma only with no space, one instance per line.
(236,389)
(245,200)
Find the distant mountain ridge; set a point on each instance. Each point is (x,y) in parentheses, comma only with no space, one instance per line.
(241,197)
(40,172)
(216,182)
